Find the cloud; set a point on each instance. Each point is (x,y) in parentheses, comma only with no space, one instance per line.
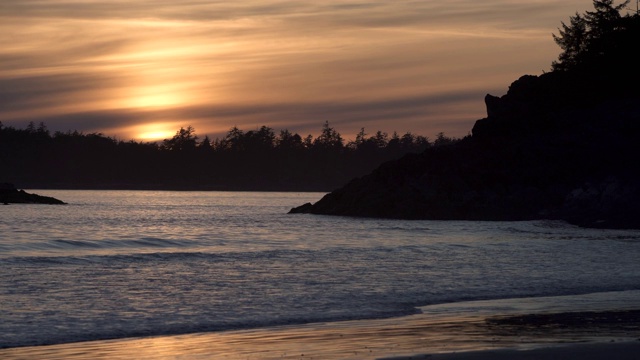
(46,91)
(414,65)
(214,120)
(362,13)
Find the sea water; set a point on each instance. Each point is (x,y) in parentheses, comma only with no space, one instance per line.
(120,264)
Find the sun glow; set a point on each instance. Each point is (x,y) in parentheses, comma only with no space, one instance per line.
(154,131)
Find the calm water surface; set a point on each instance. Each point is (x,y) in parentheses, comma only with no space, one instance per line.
(117,264)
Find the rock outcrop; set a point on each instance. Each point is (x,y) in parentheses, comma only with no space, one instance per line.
(10,195)
(556,146)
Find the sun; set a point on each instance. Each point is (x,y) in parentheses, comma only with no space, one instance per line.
(154,131)
(155,135)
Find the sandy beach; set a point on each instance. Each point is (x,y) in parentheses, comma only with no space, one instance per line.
(497,329)
(590,351)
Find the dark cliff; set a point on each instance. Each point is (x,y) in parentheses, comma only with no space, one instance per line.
(562,145)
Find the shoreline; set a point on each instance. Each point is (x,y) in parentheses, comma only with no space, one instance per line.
(625,350)
(492,329)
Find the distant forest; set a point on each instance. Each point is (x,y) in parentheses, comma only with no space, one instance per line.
(260,159)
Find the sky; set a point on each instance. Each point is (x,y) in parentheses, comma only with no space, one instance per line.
(141,69)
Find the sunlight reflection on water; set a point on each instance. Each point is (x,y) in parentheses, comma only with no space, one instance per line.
(115,264)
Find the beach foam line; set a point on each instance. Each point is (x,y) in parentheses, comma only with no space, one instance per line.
(461,329)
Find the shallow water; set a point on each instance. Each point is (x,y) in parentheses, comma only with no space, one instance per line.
(119,264)
(445,328)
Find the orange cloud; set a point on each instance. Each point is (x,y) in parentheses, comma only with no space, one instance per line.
(116,67)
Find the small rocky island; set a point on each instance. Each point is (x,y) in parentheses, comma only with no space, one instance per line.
(562,145)
(10,195)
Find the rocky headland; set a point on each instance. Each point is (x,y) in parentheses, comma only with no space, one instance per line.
(10,195)
(562,145)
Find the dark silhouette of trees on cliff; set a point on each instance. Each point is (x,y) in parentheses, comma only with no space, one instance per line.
(259,159)
(562,145)
(603,37)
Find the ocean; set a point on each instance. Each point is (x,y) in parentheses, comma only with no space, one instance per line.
(125,264)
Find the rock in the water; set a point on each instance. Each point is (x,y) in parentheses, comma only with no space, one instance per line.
(304,208)
(553,147)
(10,195)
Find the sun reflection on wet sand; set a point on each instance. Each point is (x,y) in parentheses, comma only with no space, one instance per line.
(439,329)
(345,340)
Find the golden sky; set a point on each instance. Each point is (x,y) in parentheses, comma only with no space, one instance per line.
(141,69)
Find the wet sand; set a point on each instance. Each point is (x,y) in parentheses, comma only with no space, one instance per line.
(607,326)
(592,351)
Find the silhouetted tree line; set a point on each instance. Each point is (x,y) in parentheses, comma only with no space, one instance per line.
(600,39)
(258,159)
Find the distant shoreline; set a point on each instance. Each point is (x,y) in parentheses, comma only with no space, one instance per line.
(35,187)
